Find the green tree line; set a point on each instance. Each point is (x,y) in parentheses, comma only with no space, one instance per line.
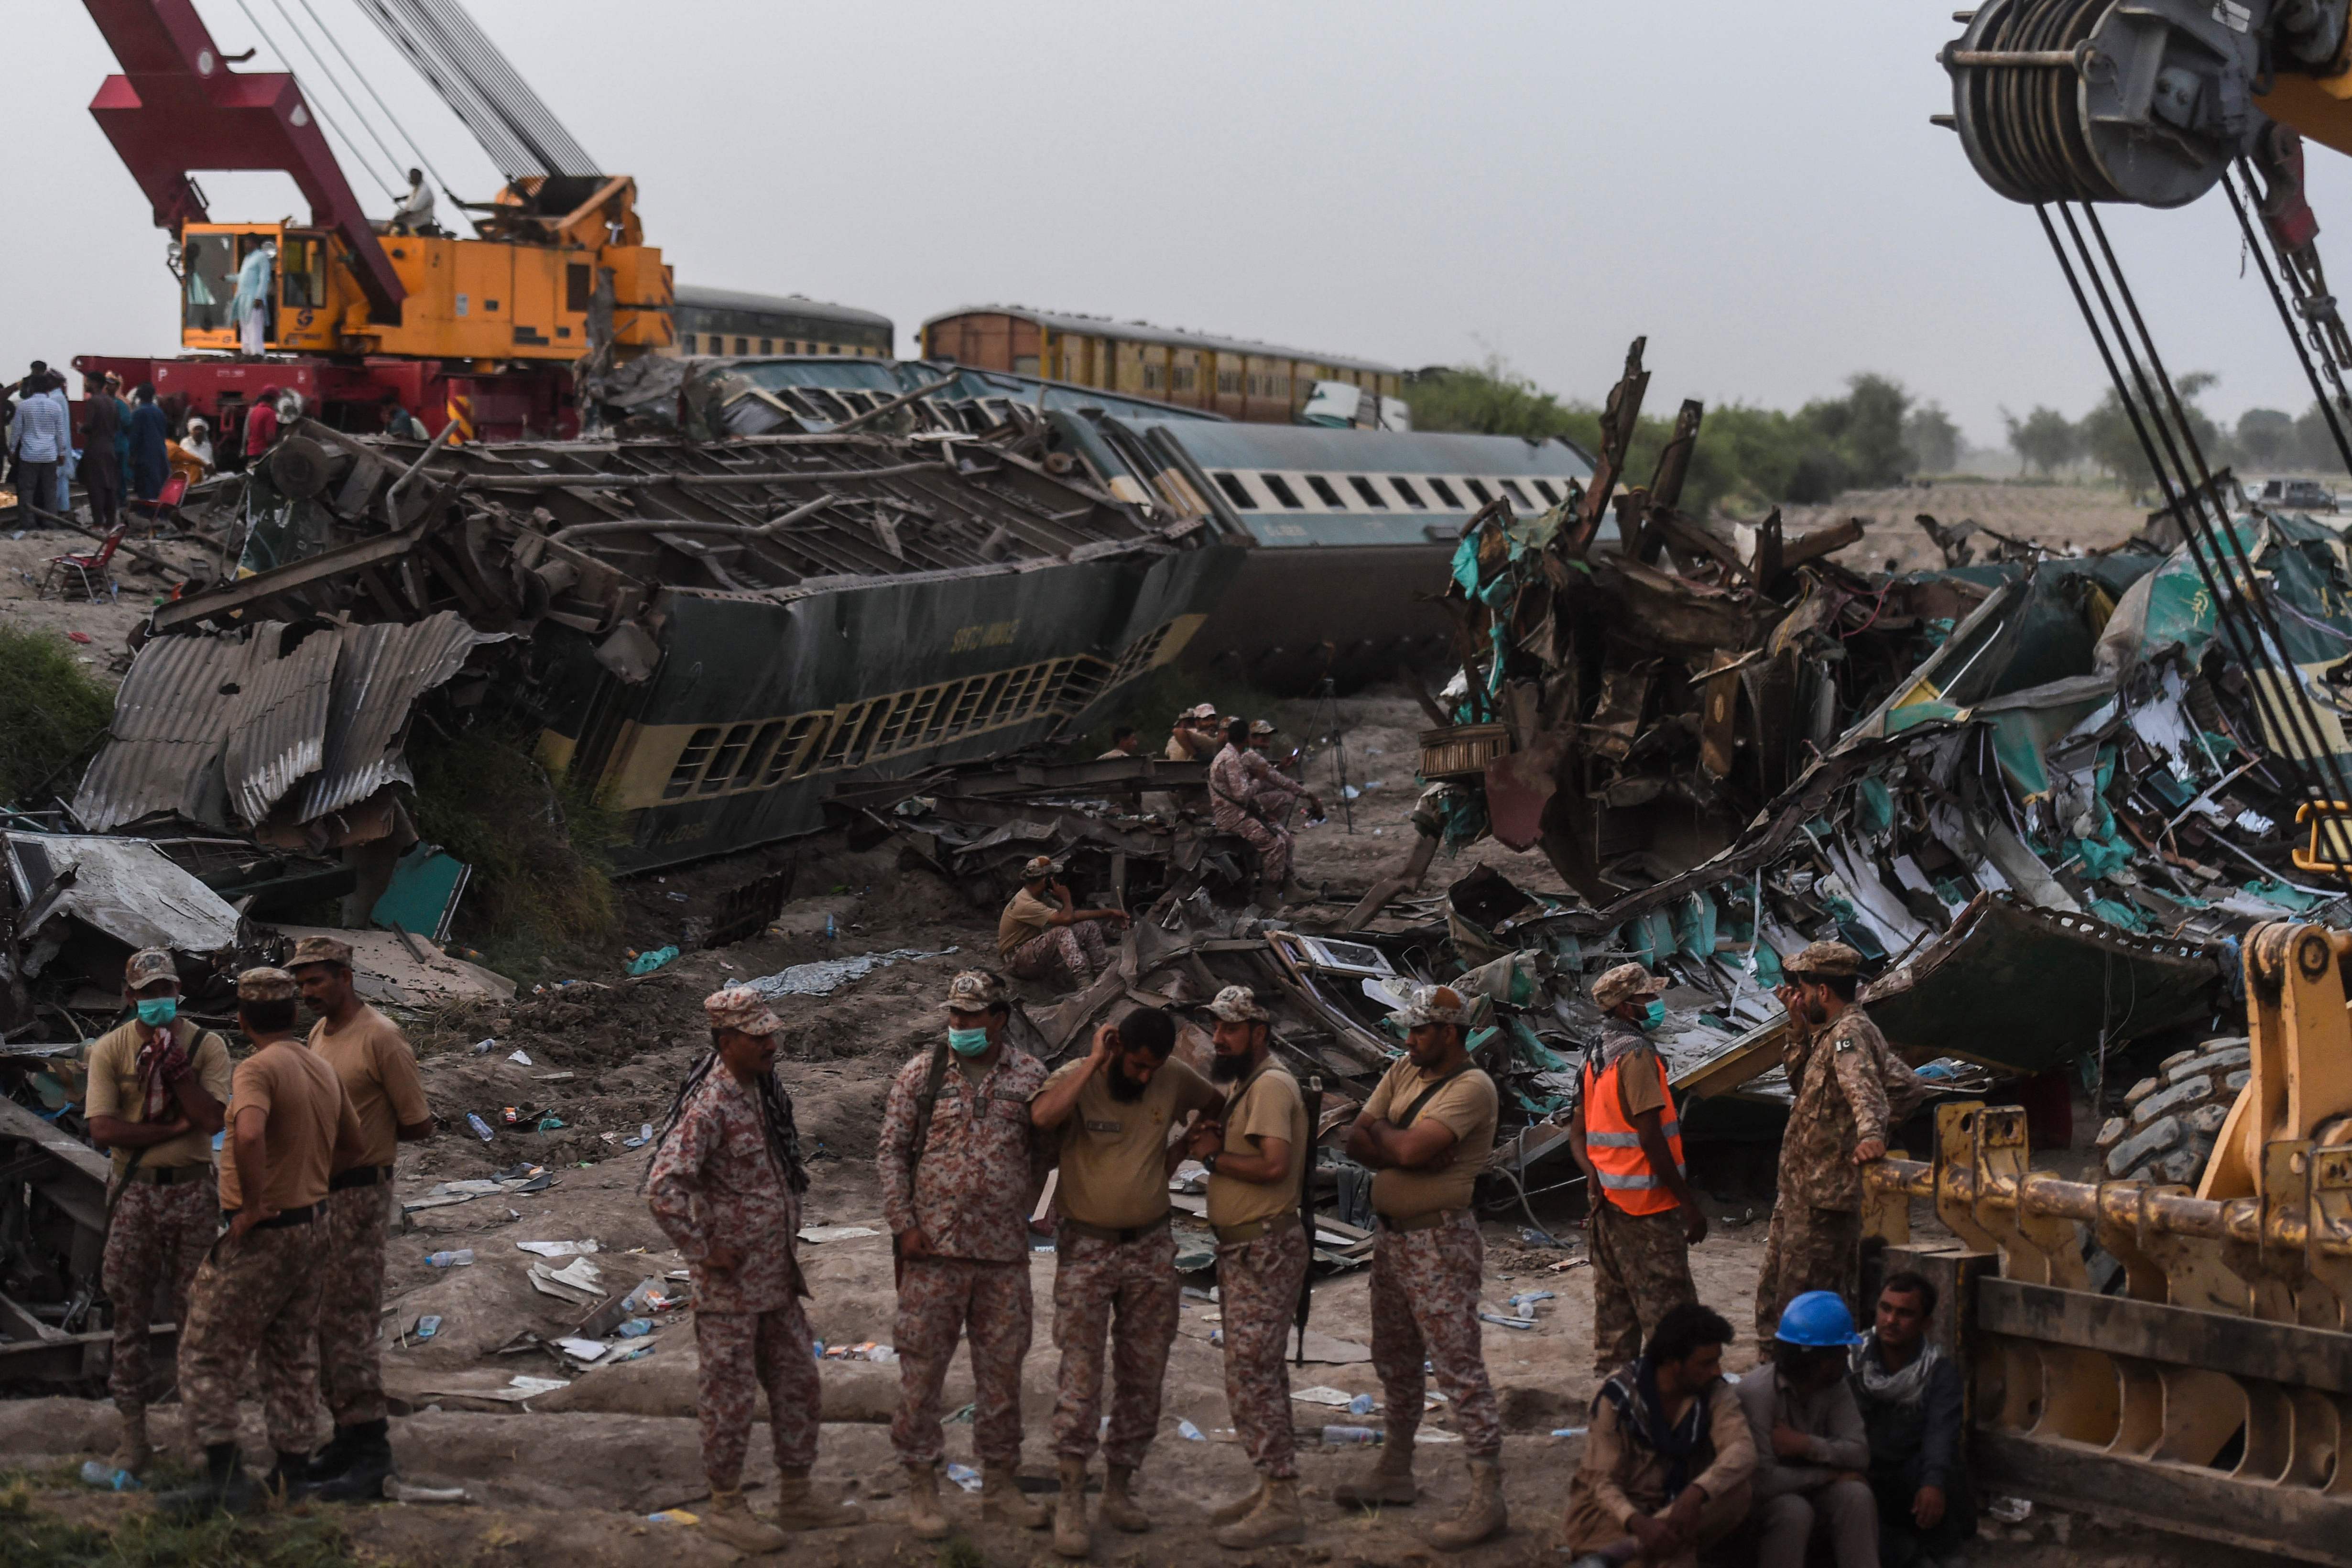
(2264,440)
(1746,457)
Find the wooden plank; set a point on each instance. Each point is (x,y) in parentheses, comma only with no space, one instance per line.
(2285,1353)
(2299,1522)
(21,1324)
(16,1121)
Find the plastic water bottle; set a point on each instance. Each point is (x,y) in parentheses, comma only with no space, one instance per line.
(829,928)
(98,1473)
(1351,1438)
(1360,1405)
(457,1259)
(481,1128)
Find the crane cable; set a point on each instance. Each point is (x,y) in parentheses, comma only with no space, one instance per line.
(2242,611)
(2255,243)
(416,148)
(327,73)
(317,108)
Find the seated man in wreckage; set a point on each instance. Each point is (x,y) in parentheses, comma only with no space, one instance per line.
(1043,936)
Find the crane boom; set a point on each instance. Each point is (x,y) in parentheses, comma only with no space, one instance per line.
(177,106)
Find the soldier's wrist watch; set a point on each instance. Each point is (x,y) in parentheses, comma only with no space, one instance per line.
(1209,1161)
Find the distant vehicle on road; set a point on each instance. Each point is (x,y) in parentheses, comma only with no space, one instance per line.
(2302,495)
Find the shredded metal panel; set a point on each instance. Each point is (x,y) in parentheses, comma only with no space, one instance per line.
(123,887)
(384,670)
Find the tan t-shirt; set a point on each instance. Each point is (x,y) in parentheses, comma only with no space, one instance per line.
(1115,1152)
(113,1091)
(1468,1106)
(1639,1087)
(379,1074)
(1024,918)
(1271,1106)
(309,1118)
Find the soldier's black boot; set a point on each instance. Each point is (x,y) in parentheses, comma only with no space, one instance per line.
(334,1459)
(226,1488)
(285,1479)
(369,1467)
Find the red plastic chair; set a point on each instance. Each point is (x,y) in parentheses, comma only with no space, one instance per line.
(90,568)
(167,504)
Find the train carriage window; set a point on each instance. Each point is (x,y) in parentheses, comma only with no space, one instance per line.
(755,756)
(1444,492)
(1412,496)
(767,345)
(722,766)
(742,346)
(1517,494)
(690,761)
(1281,491)
(788,750)
(1235,491)
(1486,497)
(1364,489)
(1543,487)
(1325,493)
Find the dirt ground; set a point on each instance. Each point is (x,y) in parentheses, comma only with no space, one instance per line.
(2065,514)
(25,558)
(571,1476)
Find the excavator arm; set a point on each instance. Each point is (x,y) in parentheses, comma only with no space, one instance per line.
(178,107)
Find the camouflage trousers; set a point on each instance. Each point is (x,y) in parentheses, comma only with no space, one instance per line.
(1425,1307)
(351,1300)
(1272,844)
(1641,1271)
(1807,1249)
(1128,1290)
(1258,1283)
(256,1304)
(988,1303)
(743,1352)
(1074,953)
(157,1242)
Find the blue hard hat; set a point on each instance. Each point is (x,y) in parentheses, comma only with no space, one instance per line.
(1819,1319)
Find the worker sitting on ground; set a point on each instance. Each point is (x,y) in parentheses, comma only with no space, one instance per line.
(1909,1391)
(1043,937)
(1242,787)
(1811,1449)
(1668,1456)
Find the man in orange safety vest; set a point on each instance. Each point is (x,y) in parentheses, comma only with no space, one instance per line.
(1644,1219)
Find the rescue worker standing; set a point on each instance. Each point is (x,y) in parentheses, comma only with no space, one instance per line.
(1644,1217)
(1113,1111)
(724,1183)
(1043,935)
(1836,1064)
(256,1301)
(956,1194)
(1427,1132)
(378,1072)
(156,1085)
(1256,1155)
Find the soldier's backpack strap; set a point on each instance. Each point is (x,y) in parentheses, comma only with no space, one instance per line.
(926,1102)
(1424,1098)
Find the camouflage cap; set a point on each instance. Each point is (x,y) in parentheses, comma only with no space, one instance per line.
(148,965)
(740,1007)
(974,991)
(1203,710)
(266,985)
(1037,868)
(1238,1003)
(1260,727)
(320,950)
(1832,960)
(1622,983)
(1431,1005)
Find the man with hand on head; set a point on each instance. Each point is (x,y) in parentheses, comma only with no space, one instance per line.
(960,1168)
(1625,1135)
(378,1072)
(724,1182)
(1043,935)
(1111,1113)
(155,1089)
(1256,1157)
(1426,1132)
(256,1301)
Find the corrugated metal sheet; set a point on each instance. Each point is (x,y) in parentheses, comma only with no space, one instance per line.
(384,670)
(222,729)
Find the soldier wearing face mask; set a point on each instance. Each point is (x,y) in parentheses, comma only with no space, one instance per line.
(1837,1065)
(1624,1132)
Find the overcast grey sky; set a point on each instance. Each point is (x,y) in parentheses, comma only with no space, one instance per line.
(1755,188)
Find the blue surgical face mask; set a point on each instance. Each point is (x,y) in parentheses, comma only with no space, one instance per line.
(968,1042)
(157,1011)
(1653,1012)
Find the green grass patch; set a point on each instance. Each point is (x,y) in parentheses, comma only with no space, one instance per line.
(31,1537)
(961,1551)
(52,716)
(542,895)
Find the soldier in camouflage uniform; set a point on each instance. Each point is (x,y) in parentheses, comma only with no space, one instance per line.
(256,1301)
(958,1204)
(1427,1132)
(1111,1113)
(1836,1061)
(724,1183)
(1256,1155)
(1626,1137)
(156,1084)
(378,1071)
(1241,786)
(1043,935)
